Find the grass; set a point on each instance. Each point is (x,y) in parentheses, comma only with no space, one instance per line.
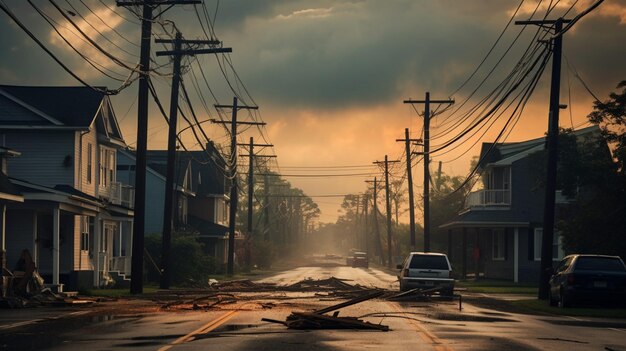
(540,306)
(152,288)
(496,287)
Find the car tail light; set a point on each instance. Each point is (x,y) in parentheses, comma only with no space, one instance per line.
(570,279)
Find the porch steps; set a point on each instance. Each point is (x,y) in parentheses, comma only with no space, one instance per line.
(121,280)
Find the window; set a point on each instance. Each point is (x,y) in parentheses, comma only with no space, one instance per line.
(557,247)
(111,165)
(102,173)
(499,245)
(84,233)
(89,161)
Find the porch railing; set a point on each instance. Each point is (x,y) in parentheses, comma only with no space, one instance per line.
(120,264)
(488,197)
(122,194)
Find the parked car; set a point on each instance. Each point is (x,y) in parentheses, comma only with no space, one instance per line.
(588,278)
(426,270)
(360,260)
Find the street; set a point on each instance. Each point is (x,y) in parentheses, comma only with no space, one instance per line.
(414,325)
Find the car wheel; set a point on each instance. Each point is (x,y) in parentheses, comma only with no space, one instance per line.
(563,299)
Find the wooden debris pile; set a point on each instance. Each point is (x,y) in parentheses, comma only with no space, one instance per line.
(320,320)
(201,303)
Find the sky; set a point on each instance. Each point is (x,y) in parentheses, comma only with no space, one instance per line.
(329,77)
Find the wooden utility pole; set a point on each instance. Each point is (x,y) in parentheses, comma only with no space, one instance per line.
(230,266)
(409,175)
(552,144)
(365,243)
(379,246)
(388,206)
(136,282)
(170,187)
(251,156)
(266,209)
(427,116)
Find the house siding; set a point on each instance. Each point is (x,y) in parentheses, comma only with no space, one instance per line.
(155,193)
(43,156)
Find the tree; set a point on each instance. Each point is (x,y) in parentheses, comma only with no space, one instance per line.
(596,221)
(611,117)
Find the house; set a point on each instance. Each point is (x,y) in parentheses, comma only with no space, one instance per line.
(201,202)
(155,190)
(499,229)
(76,218)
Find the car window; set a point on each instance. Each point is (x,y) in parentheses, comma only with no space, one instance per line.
(564,264)
(599,264)
(429,262)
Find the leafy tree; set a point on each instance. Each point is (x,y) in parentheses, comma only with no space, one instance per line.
(610,115)
(596,221)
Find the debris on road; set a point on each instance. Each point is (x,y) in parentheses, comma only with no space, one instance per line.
(318,320)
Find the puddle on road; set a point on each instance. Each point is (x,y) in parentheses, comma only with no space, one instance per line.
(234,327)
(140,344)
(589,324)
(468,318)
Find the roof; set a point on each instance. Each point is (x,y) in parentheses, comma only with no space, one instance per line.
(488,218)
(8,191)
(507,153)
(207,228)
(72,106)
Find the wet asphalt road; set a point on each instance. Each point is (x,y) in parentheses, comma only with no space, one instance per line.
(414,325)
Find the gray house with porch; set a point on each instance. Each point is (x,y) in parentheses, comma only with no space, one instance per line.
(497,235)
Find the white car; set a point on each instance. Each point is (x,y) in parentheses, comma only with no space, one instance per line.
(426,270)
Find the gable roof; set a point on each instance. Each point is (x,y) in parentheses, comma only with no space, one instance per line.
(507,153)
(69,106)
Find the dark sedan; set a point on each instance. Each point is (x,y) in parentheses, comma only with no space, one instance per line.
(588,278)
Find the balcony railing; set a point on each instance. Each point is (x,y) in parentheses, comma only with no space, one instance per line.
(122,194)
(488,197)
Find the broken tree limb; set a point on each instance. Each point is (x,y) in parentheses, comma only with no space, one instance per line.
(349,302)
(299,320)
(416,291)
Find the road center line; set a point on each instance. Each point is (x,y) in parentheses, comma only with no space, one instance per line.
(209,326)
(426,335)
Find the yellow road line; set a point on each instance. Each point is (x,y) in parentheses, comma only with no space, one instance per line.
(426,335)
(211,325)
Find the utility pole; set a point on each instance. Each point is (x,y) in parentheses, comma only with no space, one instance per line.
(230,266)
(388,206)
(356,222)
(136,282)
(379,247)
(552,144)
(251,156)
(170,187)
(409,175)
(365,243)
(427,116)
(266,209)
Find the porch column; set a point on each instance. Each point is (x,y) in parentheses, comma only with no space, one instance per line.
(3,238)
(120,242)
(96,248)
(516,254)
(35,239)
(464,253)
(476,253)
(450,244)
(56,220)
